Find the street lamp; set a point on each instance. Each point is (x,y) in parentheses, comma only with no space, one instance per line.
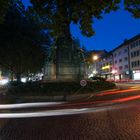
(95,58)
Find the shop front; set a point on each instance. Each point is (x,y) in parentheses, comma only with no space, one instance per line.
(136,74)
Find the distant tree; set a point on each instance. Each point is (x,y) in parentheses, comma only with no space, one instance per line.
(22,43)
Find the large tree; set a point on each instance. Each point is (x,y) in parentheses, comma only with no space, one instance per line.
(57,15)
(22,42)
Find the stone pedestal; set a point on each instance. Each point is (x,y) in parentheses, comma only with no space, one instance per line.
(68,65)
(69,72)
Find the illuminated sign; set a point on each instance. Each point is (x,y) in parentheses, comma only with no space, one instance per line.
(106,67)
(136,71)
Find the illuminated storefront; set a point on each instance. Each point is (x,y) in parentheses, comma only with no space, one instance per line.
(136,74)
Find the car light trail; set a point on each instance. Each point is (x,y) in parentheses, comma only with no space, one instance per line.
(117,92)
(55,112)
(127,99)
(106,105)
(29,105)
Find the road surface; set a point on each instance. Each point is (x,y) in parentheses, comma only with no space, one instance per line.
(119,121)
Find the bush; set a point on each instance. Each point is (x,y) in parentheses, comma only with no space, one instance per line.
(58,88)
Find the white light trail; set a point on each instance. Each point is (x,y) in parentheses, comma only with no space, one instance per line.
(29,105)
(58,112)
(46,113)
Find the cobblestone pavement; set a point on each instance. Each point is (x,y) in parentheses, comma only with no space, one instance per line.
(116,124)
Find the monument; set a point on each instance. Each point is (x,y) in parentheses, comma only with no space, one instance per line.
(68,64)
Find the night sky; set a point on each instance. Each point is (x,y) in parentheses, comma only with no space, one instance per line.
(110,31)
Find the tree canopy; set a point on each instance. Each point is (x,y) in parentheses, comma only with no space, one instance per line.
(59,14)
(133,6)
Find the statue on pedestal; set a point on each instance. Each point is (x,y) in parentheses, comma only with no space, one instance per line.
(68,63)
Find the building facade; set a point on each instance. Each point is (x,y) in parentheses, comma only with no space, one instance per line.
(106,66)
(121,66)
(93,60)
(134,55)
(122,63)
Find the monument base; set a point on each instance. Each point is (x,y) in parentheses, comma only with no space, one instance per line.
(69,72)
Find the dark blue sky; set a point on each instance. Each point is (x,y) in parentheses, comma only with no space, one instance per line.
(110,31)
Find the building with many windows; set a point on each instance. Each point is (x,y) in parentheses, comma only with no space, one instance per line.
(122,63)
(121,66)
(134,55)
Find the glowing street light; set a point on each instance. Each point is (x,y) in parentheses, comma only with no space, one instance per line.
(95,57)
